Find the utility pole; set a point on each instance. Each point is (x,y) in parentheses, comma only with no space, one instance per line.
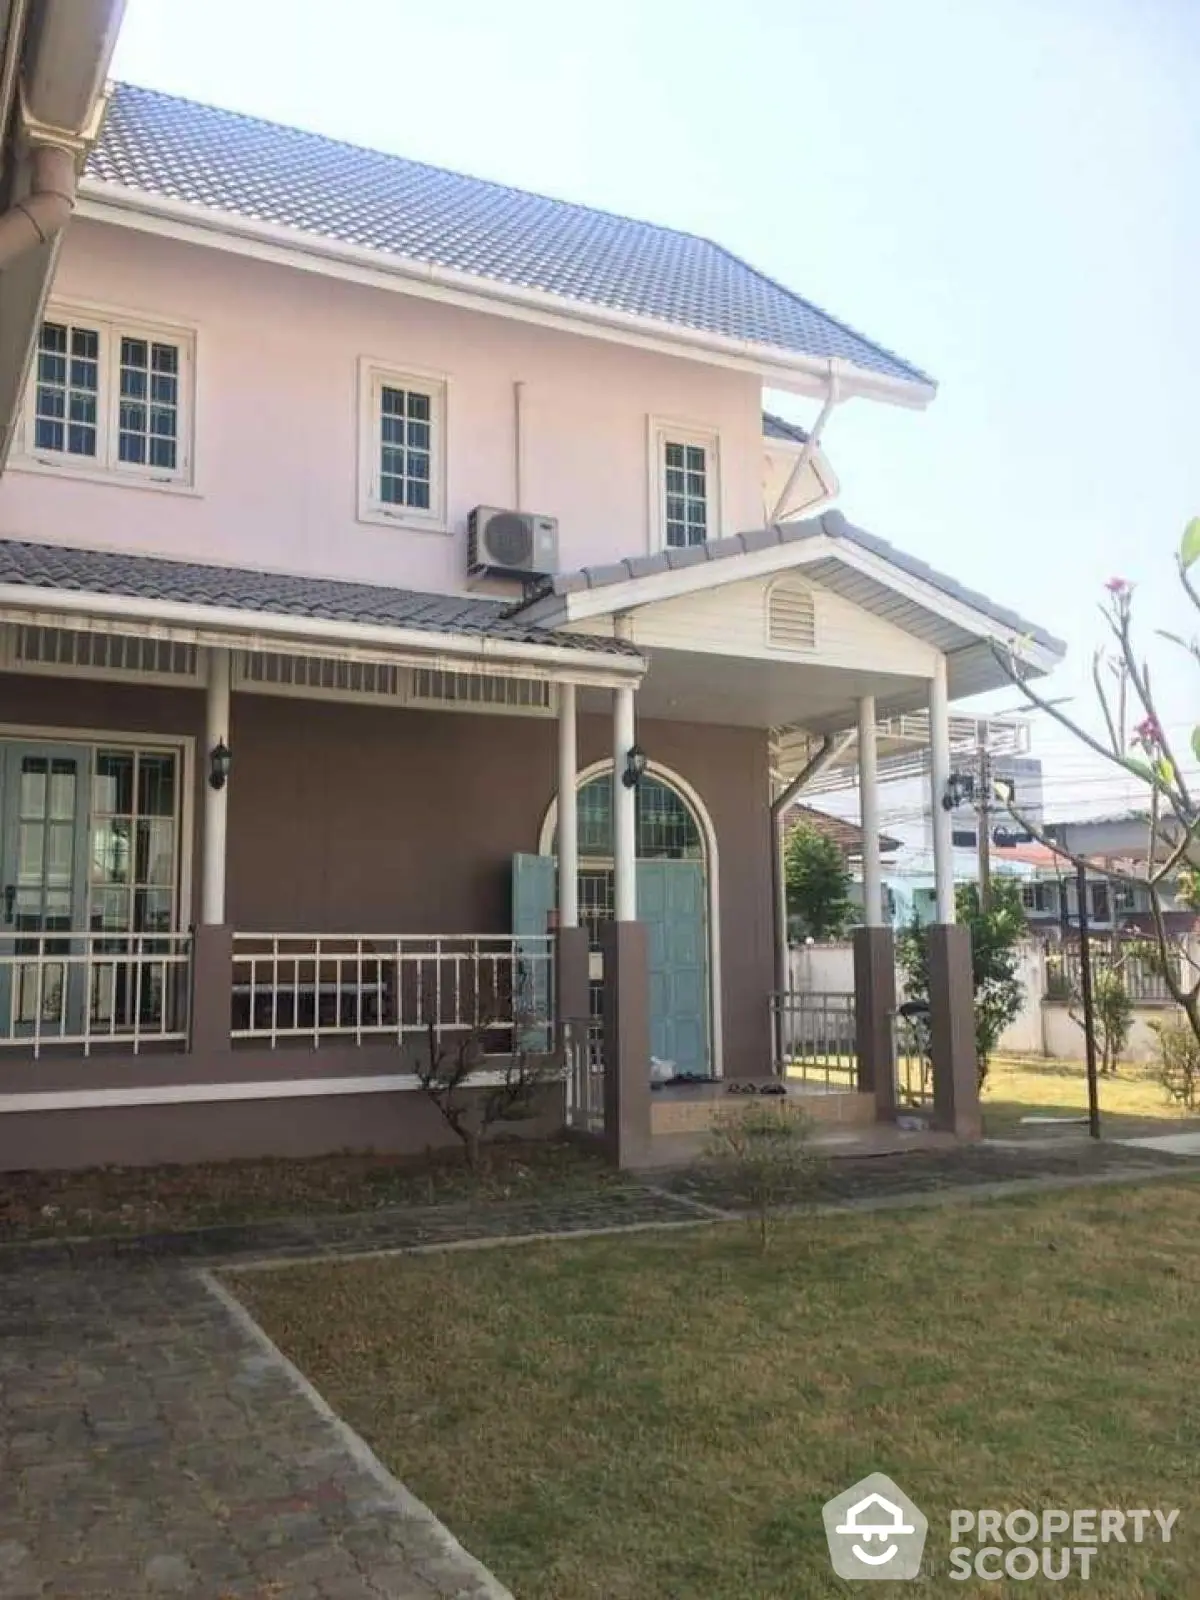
(984,809)
(1089,1014)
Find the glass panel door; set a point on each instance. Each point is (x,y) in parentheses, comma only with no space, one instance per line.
(43,798)
(132,883)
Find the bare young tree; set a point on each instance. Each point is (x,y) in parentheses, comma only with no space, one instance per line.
(1135,740)
(450,1075)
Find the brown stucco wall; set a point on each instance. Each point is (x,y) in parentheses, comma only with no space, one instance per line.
(403,1123)
(347,818)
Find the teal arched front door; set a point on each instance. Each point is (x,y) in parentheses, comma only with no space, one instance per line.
(672,900)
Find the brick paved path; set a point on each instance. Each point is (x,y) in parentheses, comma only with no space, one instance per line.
(149,1446)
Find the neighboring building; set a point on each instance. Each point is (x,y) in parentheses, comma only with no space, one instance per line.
(847,835)
(354,510)
(1123,840)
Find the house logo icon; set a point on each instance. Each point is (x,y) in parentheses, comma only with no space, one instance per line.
(875,1531)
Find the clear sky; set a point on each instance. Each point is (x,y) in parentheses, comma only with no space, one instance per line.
(1006,192)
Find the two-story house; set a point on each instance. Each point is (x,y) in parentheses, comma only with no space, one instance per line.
(406,600)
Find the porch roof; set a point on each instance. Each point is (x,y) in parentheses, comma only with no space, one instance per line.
(830,566)
(142,588)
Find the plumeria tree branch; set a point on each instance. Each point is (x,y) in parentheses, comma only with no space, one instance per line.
(1144,752)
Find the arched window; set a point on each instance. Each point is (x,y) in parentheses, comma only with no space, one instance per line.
(666,828)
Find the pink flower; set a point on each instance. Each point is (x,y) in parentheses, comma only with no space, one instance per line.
(1117,585)
(1148,731)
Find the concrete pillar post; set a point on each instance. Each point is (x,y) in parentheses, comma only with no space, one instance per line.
(568,810)
(952,1020)
(212,990)
(939,779)
(624,811)
(874,1008)
(216,797)
(868,797)
(626,1042)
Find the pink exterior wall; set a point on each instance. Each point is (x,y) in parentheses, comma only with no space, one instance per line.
(276,454)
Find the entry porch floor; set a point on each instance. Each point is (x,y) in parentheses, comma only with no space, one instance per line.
(682,1115)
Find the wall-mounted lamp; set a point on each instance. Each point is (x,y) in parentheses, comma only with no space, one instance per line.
(635,766)
(219,763)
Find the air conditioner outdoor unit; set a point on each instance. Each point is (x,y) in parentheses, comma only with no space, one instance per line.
(513,544)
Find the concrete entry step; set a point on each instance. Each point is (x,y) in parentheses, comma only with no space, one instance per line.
(667,1150)
(691,1108)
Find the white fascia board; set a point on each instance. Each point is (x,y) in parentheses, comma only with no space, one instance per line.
(226,626)
(958,612)
(291,247)
(582,604)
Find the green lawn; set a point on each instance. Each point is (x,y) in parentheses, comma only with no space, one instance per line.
(661,1417)
(1131,1102)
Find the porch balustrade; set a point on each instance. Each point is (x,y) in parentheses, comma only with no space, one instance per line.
(813,1037)
(583,1044)
(90,989)
(321,988)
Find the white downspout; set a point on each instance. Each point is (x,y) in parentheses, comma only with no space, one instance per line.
(809,448)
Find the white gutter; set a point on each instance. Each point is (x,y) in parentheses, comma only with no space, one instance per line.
(209,623)
(832,746)
(118,204)
(811,444)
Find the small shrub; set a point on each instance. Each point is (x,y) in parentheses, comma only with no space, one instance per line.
(1058,985)
(1114,1016)
(767,1150)
(1178,1067)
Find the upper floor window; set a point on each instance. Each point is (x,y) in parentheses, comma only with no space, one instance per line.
(688,487)
(111,397)
(402,448)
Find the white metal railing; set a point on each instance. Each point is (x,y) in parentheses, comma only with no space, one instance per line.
(87,989)
(912,1057)
(814,1038)
(583,1048)
(323,987)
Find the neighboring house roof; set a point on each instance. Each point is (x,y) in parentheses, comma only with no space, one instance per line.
(108,573)
(847,835)
(780,428)
(165,146)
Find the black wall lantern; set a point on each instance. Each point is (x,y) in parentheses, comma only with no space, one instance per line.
(219,763)
(635,766)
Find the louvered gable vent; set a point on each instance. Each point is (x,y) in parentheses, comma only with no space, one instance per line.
(791,616)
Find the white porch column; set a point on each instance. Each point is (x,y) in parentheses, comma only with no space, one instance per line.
(939,778)
(868,797)
(568,810)
(624,812)
(216,801)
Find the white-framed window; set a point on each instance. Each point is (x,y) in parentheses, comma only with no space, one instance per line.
(402,447)
(687,487)
(111,396)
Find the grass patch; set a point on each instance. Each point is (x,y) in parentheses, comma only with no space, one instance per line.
(132,1200)
(1131,1102)
(661,1417)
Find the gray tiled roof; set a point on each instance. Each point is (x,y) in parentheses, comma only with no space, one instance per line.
(167,146)
(103,572)
(780,428)
(831,525)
